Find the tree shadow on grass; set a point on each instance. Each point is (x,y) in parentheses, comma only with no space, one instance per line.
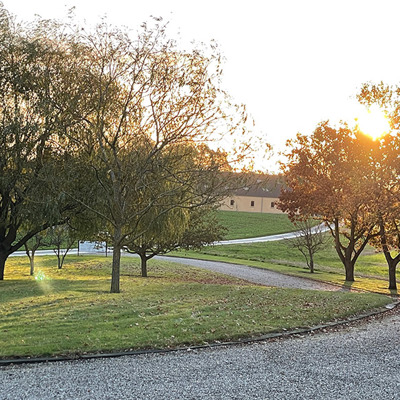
(347,286)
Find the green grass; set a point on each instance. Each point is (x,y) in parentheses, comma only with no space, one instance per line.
(246,224)
(370,272)
(70,311)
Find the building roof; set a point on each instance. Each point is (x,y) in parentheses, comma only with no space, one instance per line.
(269,187)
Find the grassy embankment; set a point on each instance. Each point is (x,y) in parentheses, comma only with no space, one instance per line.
(371,268)
(246,225)
(70,311)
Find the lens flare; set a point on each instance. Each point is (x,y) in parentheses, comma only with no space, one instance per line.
(40,276)
(373,122)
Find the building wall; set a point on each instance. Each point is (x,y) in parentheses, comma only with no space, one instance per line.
(251,204)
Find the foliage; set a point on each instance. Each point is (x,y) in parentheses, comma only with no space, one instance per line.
(198,227)
(61,238)
(97,120)
(328,178)
(386,170)
(149,111)
(32,164)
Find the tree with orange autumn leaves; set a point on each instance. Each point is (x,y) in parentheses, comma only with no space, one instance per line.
(350,182)
(387,175)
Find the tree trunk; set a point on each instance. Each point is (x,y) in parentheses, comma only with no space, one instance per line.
(116,261)
(32,262)
(392,275)
(310,254)
(391,262)
(143,265)
(3,258)
(349,268)
(58,254)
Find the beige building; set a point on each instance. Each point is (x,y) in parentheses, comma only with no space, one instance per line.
(262,200)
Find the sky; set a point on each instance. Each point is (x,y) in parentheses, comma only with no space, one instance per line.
(294,63)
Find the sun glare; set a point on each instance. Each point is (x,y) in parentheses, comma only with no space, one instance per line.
(373,122)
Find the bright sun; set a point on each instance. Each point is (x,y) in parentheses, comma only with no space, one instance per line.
(373,122)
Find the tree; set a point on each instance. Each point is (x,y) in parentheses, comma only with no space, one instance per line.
(385,177)
(387,202)
(30,162)
(62,237)
(309,240)
(150,106)
(196,229)
(327,177)
(389,242)
(32,245)
(116,108)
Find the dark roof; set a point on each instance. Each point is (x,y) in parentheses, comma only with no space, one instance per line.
(266,187)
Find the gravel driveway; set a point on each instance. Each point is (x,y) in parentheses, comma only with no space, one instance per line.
(359,362)
(255,275)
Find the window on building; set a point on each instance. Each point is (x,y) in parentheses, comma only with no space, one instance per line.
(252,203)
(232,202)
(272,204)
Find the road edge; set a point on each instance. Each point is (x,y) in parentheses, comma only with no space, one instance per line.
(267,337)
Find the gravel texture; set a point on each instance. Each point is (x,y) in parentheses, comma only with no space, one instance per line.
(360,361)
(256,275)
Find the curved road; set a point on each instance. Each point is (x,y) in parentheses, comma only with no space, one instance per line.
(272,238)
(255,275)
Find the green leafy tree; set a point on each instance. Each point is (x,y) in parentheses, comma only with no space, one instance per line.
(31,163)
(88,121)
(147,101)
(177,229)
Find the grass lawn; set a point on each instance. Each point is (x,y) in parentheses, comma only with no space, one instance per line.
(246,224)
(70,311)
(370,272)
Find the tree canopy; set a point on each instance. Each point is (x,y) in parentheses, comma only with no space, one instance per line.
(31,163)
(386,174)
(149,109)
(108,127)
(190,229)
(328,178)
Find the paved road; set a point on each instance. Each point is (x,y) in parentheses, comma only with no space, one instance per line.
(360,362)
(271,238)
